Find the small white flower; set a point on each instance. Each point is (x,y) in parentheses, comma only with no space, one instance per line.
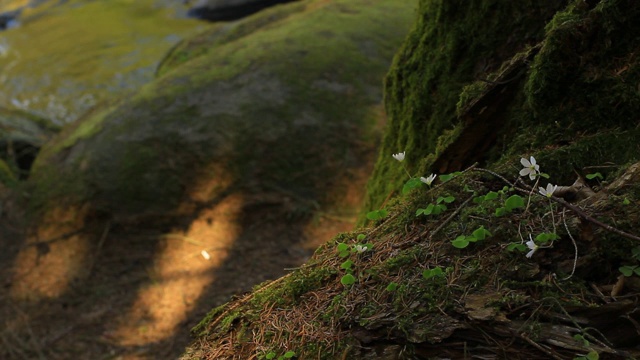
(532,247)
(428,180)
(548,192)
(360,248)
(530,168)
(399,156)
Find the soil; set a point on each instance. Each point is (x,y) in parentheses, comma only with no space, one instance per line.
(133,289)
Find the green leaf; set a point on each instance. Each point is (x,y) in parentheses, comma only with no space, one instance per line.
(460,242)
(392,286)
(270,355)
(446,177)
(627,270)
(377,214)
(501,211)
(348,279)
(593,355)
(594,175)
(546,176)
(410,185)
(471,238)
(429,273)
(637,271)
(347,265)
(626,201)
(481,233)
(636,252)
(449,199)
(344,254)
(289,354)
(516,246)
(514,202)
(361,237)
(342,247)
(479,199)
(545,237)
(491,195)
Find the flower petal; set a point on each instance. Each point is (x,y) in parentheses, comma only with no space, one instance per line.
(525,162)
(525,172)
(533,161)
(530,253)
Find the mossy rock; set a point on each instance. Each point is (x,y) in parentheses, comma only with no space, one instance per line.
(103,50)
(288,109)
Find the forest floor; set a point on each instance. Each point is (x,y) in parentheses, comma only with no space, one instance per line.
(142,286)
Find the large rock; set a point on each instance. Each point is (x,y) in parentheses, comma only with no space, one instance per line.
(96,51)
(224,10)
(284,108)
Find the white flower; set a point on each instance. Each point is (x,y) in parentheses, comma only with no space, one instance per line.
(428,180)
(399,156)
(532,247)
(548,192)
(530,168)
(360,248)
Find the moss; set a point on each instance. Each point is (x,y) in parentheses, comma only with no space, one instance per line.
(125,41)
(436,62)
(7,177)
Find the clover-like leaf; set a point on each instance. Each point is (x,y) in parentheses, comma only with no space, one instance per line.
(410,185)
(594,176)
(514,202)
(516,246)
(289,354)
(460,242)
(627,270)
(429,273)
(392,286)
(347,265)
(348,279)
(481,233)
(491,195)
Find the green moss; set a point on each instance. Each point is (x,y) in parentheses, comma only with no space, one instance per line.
(7,177)
(103,49)
(436,62)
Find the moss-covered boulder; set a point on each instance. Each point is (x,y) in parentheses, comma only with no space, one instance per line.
(103,50)
(483,262)
(288,107)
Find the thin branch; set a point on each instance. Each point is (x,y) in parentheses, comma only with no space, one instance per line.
(575,246)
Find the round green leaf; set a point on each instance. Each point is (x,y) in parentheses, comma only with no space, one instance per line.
(460,242)
(491,195)
(514,202)
(348,280)
(627,270)
(347,265)
(410,185)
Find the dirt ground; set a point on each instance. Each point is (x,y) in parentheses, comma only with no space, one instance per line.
(133,289)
